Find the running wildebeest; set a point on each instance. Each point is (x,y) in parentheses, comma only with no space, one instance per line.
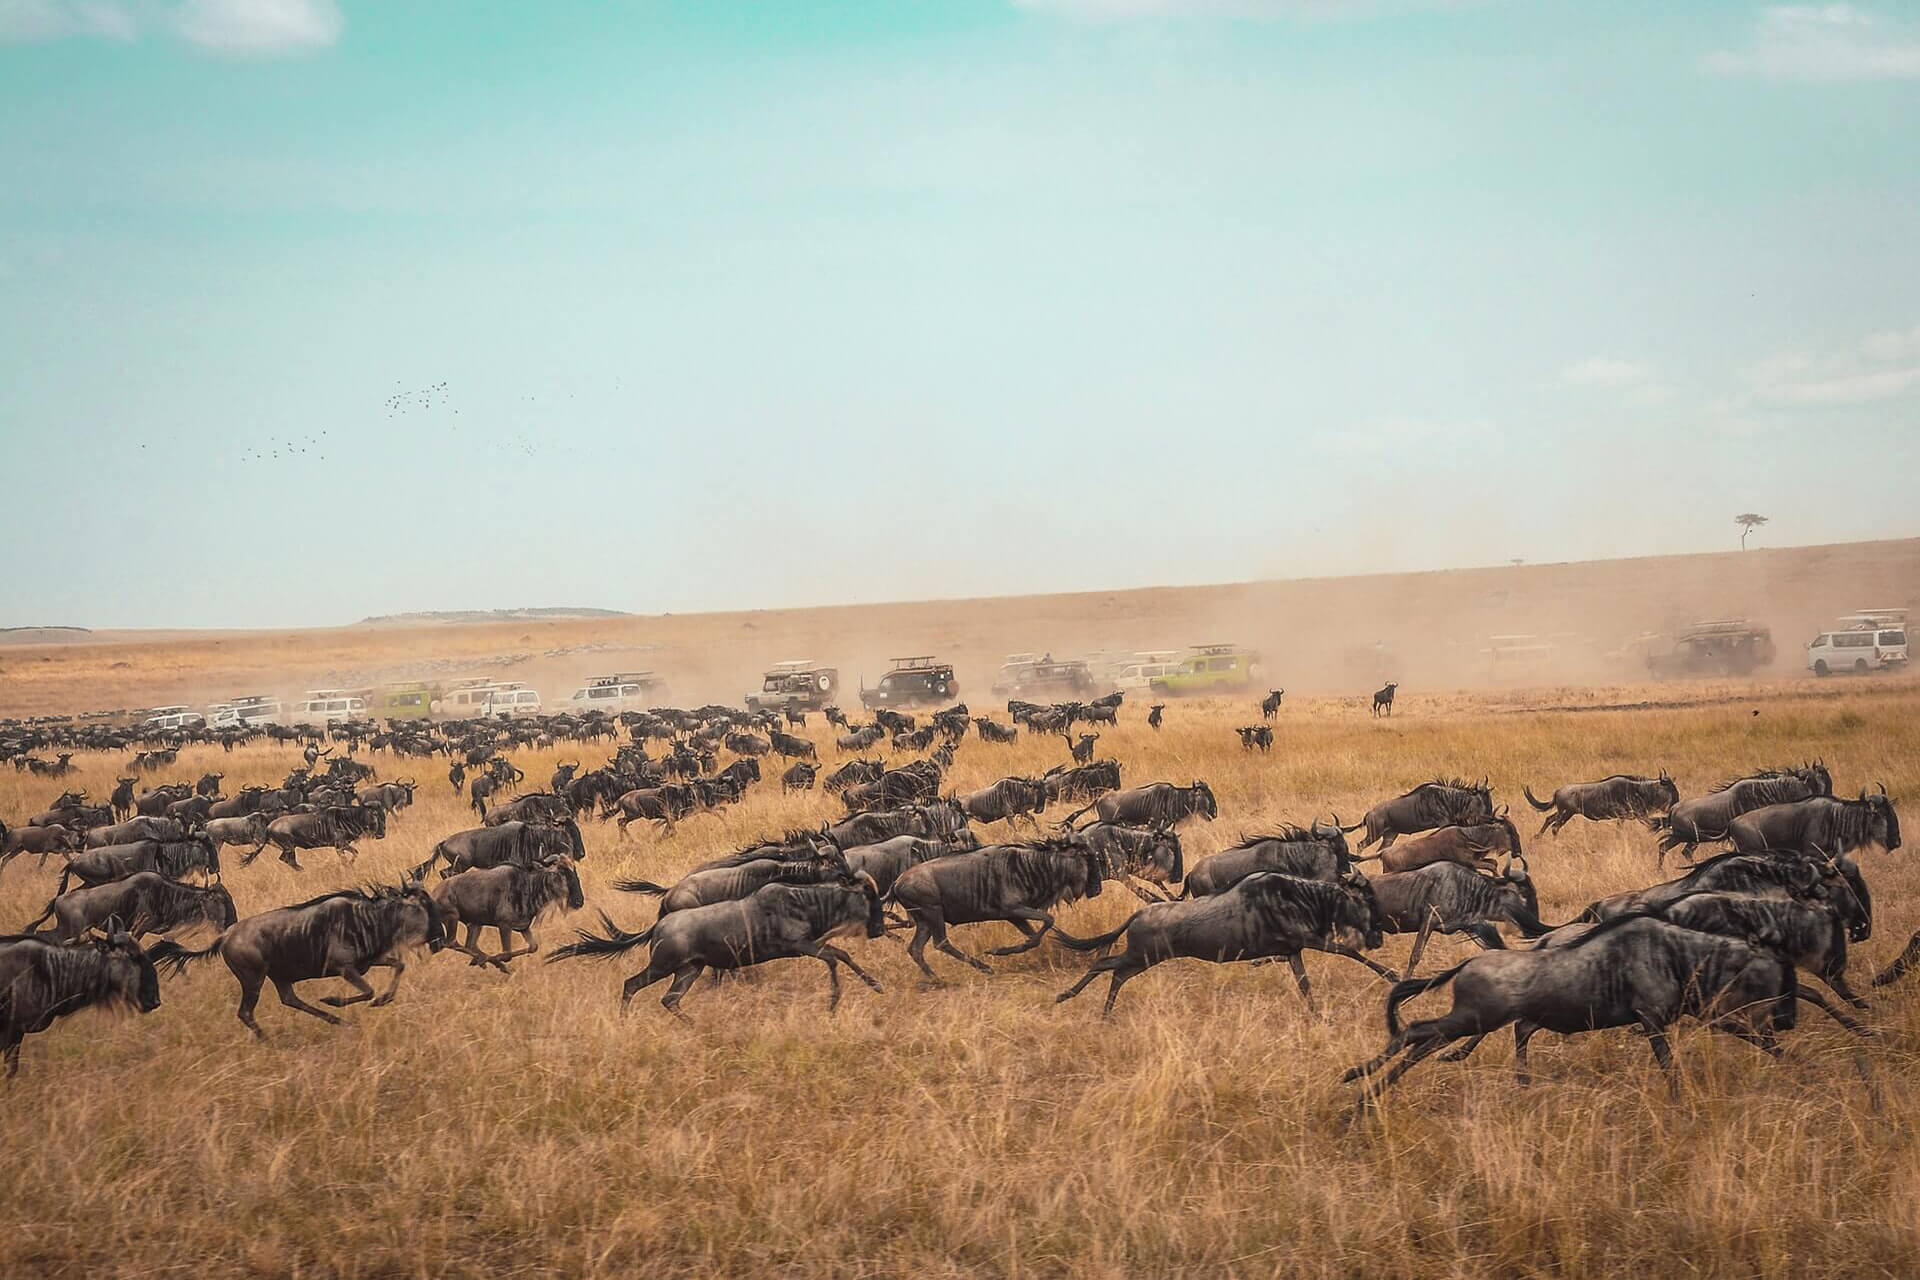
(341,934)
(1449,898)
(1009,798)
(1270,705)
(335,827)
(40,840)
(1383,699)
(145,902)
(1777,872)
(42,981)
(523,844)
(507,898)
(251,829)
(134,830)
(1153,854)
(1444,802)
(777,922)
(1154,713)
(1158,804)
(852,773)
(1620,796)
(734,879)
(1316,853)
(1019,884)
(1470,846)
(171,858)
(995,733)
(937,820)
(889,859)
(1705,819)
(1819,825)
(664,804)
(535,806)
(1082,783)
(1635,971)
(1265,915)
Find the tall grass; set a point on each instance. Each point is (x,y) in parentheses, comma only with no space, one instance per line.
(489,1125)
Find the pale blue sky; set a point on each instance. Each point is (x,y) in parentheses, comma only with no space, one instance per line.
(752,304)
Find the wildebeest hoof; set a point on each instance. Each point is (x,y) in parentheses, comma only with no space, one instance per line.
(380,1002)
(333,1001)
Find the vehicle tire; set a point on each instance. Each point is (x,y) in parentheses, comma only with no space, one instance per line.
(1860,666)
(1820,667)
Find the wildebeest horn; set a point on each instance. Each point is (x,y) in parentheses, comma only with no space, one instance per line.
(1883,788)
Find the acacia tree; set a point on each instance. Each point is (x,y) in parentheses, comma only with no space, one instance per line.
(1748,522)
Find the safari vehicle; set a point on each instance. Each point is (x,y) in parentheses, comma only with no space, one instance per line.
(1028,676)
(466,698)
(620,691)
(798,685)
(162,719)
(1144,668)
(517,702)
(403,701)
(1730,647)
(324,706)
(251,710)
(1210,668)
(1871,640)
(912,682)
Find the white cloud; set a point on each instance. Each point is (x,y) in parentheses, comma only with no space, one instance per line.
(1881,366)
(1604,371)
(1832,42)
(259,26)
(1852,388)
(232,27)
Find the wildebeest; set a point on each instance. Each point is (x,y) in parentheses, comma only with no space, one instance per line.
(1470,846)
(41,840)
(889,859)
(735,878)
(1266,915)
(777,922)
(252,829)
(1383,699)
(798,777)
(915,783)
(171,858)
(1444,802)
(1084,782)
(1270,705)
(938,820)
(507,898)
(1777,872)
(1450,898)
(1158,804)
(1705,819)
(391,796)
(1636,971)
(122,797)
(522,844)
(1082,751)
(145,902)
(791,747)
(1019,884)
(1255,735)
(858,739)
(335,827)
(1318,852)
(1819,825)
(341,934)
(42,981)
(1009,798)
(1623,795)
(852,773)
(664,804)
(1154,713)
(1151,853)
(995,733)
(209,784)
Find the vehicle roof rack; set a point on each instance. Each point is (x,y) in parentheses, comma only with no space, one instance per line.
(904,664)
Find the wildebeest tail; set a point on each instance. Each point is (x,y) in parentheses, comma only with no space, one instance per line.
(1412,987)
(1097,941)
(1066,823)
(171,958)
(616,941)
(33,925)
(1356,826)
(647,887)
(420,872)
(1541,805)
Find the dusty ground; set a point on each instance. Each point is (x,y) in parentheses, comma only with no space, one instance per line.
(489,1125)
(1429,631)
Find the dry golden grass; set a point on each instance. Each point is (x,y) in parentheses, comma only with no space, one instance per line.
(488,1125)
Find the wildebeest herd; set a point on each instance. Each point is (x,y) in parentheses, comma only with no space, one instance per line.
(1728,943)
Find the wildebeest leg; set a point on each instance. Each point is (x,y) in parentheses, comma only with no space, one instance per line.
(1020,920)
(1368,961)
(399,967)
(286,856)
(1461,1054)
(941,943)
(250,997)
(1420,941)
(1299,967)
(683,978)
(1143,894)
(290,999)
(1826,1006)
(1424,1043)
(1536,835)
(347,852)
(471,945)
(1662,1051)
(1106,964)
(358,981)
(512,951)
(639,982)
(1838,981)
(1523,1031)
(917,949)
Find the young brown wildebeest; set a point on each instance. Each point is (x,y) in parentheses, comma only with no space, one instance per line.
(41,981)
(339,934)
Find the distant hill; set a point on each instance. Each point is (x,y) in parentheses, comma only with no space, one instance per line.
(41,635)
(484,615)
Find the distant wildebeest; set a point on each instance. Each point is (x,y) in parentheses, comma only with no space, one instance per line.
(1270,705)
(535,806)
(335,827)
(777,922)
(664,804)
(1019,884)
(1158,804)
(1255,735)
(853,773)
(1383,699)
(798,777)
(937,820)
(507,898)
(856,740)
(341,934)
(1635,971)
(209,784)
(791,747)
(391,796)
(1009,798)
(1705,819)
(1780,872)
(1264,916)
(145,902)
(1471,846)
(1444,802)
(524,844)
(747,744)
(1620,796)
(995,733)
(42,981)
(1154,713)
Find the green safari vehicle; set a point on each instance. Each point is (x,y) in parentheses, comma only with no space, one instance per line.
(1209,668)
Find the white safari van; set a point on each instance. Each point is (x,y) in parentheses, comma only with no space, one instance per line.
(517,703)
(324,706)
(469,698)
(1871,640)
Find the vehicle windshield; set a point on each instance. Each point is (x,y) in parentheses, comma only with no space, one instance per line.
(1893,637)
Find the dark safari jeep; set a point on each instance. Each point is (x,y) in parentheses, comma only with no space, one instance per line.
(913,682)
(1043,677)
(796,686)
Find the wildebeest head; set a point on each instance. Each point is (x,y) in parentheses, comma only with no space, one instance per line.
(1165,864)
(1883,824)
(576,898)
(435,927)
(1333,835)
(1210,809)
(1668,789)
(221,912)
(876,913)
(1514,872)
(130,977)
(1358,910)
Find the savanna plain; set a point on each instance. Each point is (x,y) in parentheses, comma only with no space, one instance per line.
(519,1125)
